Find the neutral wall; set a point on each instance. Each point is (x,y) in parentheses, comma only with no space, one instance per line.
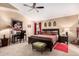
(68,23)
(6,17)
(29,30)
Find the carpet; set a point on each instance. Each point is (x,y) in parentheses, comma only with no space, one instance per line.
(61,47)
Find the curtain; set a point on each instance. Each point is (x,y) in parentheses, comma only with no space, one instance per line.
(35,28)
(40,27)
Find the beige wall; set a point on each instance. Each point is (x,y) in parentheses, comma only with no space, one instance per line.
(68,23)
(6,17)
(29,30)
(5,20)
(6,32)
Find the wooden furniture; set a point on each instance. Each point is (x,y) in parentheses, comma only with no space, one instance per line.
(4,42)
(19,36)
(63,39)
(48,41)
(39,39)
(52,30)
(76,42)
(77,30)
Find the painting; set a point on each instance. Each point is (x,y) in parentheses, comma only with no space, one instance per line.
(17,25)
(29,26)
(45,24)
(54,23)
(49,24)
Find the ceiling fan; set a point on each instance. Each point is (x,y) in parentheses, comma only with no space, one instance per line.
(34,7)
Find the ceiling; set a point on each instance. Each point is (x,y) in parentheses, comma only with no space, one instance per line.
(51,10)
(7,5)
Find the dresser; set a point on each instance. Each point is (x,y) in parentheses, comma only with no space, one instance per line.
(63,39)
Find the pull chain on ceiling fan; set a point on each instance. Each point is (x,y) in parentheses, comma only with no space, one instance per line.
(34,7)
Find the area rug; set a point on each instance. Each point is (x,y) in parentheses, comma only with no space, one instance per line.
(61,47)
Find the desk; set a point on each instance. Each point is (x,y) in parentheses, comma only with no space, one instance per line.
(15,38)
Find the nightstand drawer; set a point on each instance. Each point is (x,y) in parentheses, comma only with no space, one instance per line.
(63,39)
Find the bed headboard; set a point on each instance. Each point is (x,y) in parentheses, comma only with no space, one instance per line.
(51,30)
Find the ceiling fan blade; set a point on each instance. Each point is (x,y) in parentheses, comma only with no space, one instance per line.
(36,10)
(34,4)
(27,5)
(30,9)
(40,7)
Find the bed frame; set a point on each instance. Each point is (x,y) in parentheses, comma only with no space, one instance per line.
(51,30)
(48,41)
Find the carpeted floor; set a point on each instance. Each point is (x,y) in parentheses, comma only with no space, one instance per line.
(23,49)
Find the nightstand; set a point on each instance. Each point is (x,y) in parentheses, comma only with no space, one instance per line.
(63,39)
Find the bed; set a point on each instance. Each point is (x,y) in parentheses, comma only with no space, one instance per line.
(49,36)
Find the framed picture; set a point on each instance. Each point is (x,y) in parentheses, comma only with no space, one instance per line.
(45,24)
(17,24)
(49,24)
(54,23)
(29,26)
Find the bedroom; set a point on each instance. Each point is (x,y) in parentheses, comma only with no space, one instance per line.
(54,26)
